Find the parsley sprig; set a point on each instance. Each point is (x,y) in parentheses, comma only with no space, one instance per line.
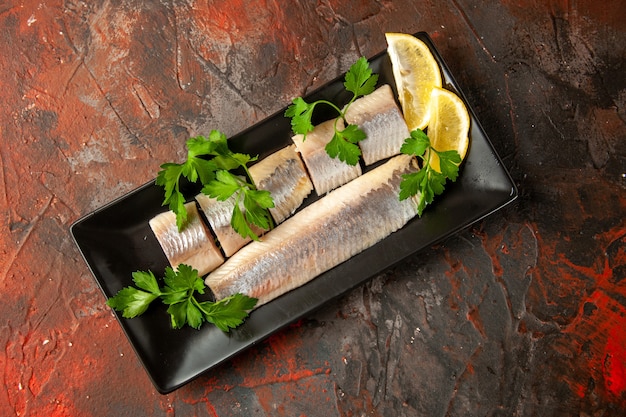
(179,294)
(256,202)
(360,81)
(428,182)
(210,160)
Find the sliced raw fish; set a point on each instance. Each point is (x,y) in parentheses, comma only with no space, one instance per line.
(194,246)
(379,116)
(326,173)
(284,176)
(324,234)
(218,214)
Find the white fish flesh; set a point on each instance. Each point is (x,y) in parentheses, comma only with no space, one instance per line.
(326,173)
(283,174)
(379,116)
(218,214)
(319,237)
(194,246)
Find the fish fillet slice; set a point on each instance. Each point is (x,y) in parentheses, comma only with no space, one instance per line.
(194,246)
(219,214)
(378,115)
(284,176)
(345,222)
(326,173)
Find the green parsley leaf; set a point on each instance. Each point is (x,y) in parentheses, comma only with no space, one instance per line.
(146,281)
(410,184)
(169,177)
(300,113)
(262,198)
(359,79)
(352,134)
(194,314)
(222,187)
(178,314)
(255,202)
(241,225)
(218,143)
(184,279)
(131,301)
(449,164)
(243,159)
(416,144)
(194,168)
(179,294)
(185,312)
(343,146)
(427,182)
(228,313)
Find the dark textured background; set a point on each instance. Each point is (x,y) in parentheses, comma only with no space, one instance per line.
(522,315)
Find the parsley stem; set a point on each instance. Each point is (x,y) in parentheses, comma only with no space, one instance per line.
(251,183)
(342,113)
(333,105)
(197,304)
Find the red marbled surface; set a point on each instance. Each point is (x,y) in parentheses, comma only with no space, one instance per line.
(524,314)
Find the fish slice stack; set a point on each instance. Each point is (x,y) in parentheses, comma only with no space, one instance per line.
(355,210)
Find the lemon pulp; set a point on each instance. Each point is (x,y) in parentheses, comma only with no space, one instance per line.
(449,124)
(416,73)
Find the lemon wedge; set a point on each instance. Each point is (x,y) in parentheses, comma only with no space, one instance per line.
(416,73)
(449,124)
